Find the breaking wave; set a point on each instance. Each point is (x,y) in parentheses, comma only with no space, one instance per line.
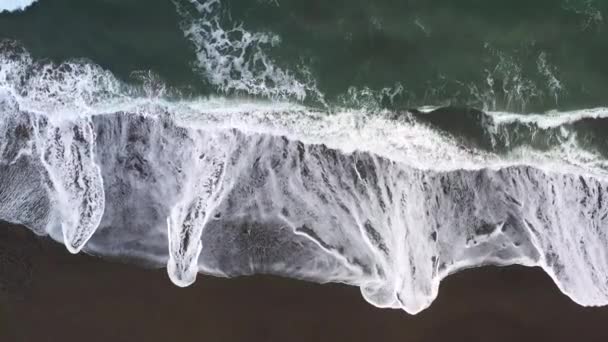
(391,202)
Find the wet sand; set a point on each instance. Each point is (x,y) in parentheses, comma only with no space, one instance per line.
(46,294)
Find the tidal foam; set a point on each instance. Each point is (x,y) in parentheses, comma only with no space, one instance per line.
(229,187)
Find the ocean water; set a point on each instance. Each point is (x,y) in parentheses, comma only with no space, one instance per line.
(384,145)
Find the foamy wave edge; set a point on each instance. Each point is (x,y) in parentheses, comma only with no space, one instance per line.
(228,187)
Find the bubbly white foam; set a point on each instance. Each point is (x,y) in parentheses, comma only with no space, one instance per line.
(373,199)
(15,5)
(74,90)
(516,87)
(234,60)
(550,119)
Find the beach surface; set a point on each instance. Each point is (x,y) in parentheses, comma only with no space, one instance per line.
(48,294)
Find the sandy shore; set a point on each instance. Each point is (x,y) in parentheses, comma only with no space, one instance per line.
(46,294)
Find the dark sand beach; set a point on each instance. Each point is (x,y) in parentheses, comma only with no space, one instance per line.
(50,295)
(141,115)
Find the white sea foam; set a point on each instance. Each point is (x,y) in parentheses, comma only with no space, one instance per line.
(73,90)
(235,60)
(15,5)
(551,119)
(507,86)
(223,186)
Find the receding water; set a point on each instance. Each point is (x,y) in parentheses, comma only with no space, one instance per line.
(376,143)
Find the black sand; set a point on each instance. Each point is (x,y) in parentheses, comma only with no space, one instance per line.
(49,295)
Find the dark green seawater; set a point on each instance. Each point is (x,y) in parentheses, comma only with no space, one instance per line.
(518,55)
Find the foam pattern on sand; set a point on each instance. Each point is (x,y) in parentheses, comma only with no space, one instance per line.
(391,203)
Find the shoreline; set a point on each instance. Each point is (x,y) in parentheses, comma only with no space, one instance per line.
(55,296)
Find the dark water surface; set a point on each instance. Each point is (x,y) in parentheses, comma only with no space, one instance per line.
(437,51)
(71,298)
